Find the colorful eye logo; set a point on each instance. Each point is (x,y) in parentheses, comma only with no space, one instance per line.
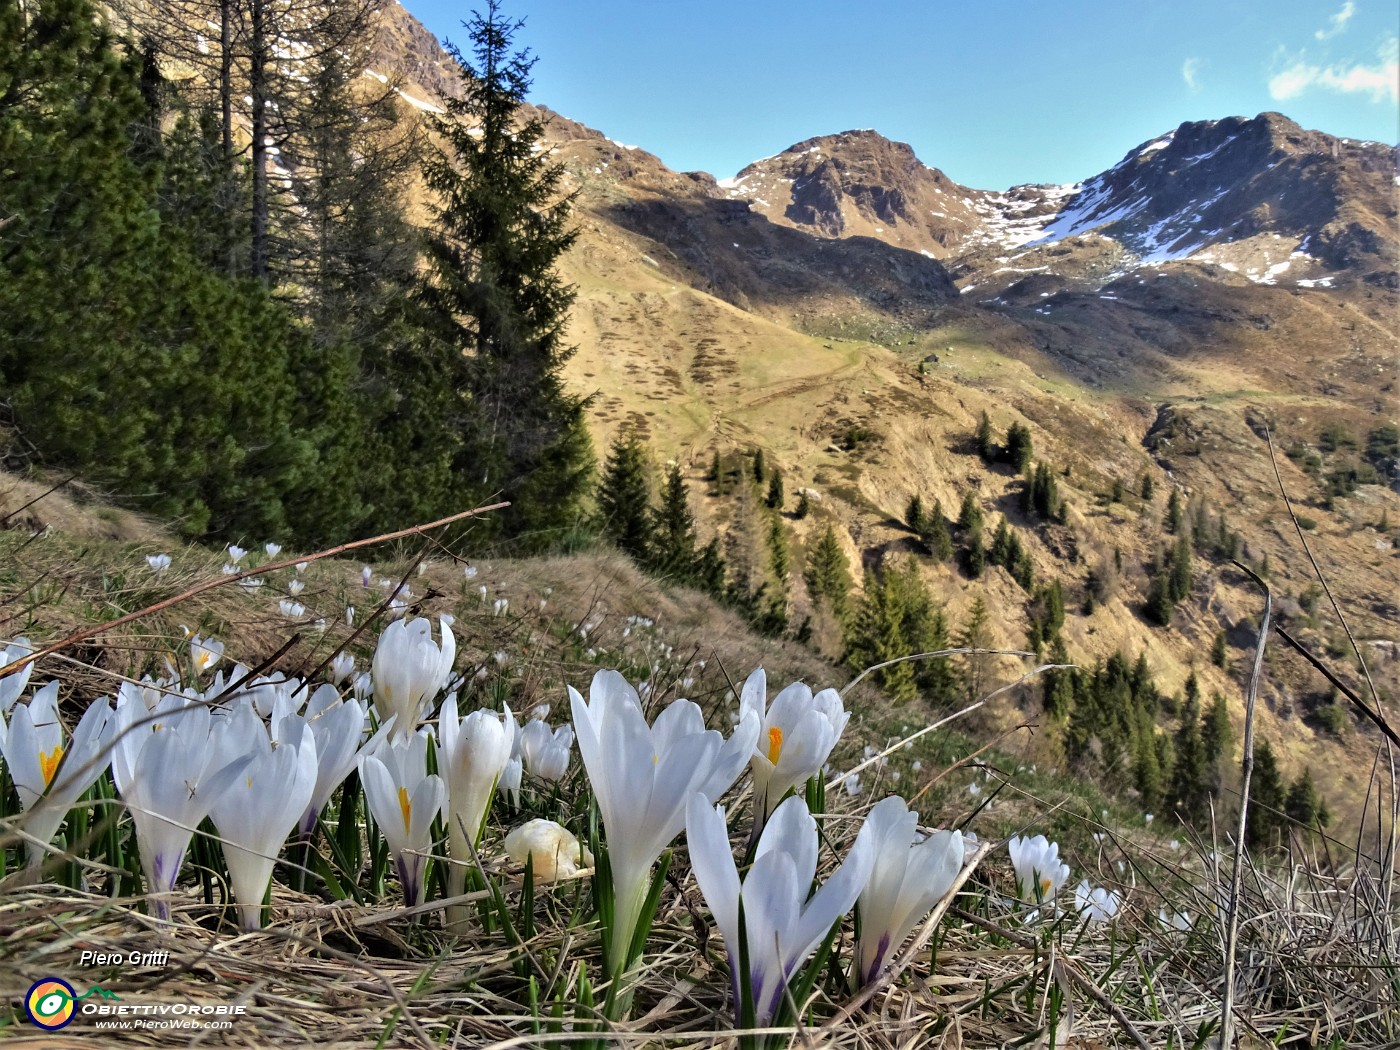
(50,1003)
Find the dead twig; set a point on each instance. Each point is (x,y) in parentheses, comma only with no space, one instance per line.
(209,585)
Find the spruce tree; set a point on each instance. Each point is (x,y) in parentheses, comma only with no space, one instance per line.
(1146,488)
(1303,802)
(999,553)
(1018,447)
(494,296)
(717,473)
(982,439)
(624,497)
(1267,798)
(1058,695)
(673,530)
(975,634)
(1159,600)
(970,513)
(1179,570)
(1190,783)
(1174,511)
(876,635)
(914,515)
(775,489)
(710,570)
(778,553)
(828,575)
(1217,737)
(759,466)
(1219,654)
(804,505)
(940,543)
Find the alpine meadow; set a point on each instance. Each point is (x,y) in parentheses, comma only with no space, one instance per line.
(465,583)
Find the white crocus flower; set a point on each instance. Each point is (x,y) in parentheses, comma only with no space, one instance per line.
(48,776)
(781,924)
(342,666)
(1039,870)
(338,728)
(796,735)
(555,851)
(642,777)
(169,769)
(409,669)
(291,610)
(12,685)
(546,751)
(1095,905)
(295,587)
(158,562)
(272,549)
(908,879)
(205,653)
(236,552)
(262,805)
(472,756)
(404,798)
(1180,921)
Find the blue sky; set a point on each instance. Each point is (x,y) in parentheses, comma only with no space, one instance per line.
(993,92)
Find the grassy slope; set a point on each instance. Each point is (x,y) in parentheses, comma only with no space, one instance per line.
(698,374)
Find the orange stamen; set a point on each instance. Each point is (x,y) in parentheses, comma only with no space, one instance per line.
(775,744)
(48,764)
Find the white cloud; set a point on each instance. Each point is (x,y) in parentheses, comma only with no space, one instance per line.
(1380,80)
(1338,22)
(1189,69)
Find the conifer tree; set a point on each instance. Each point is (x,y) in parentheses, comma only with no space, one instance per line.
(778,552)
(759,466)
(495,298)
(673,530)
(1147,769)
(940,543)
(982,439)
(1018,447)
(1217,737)
(975,634)
(1174,511)
(1190,784)
(970,513)
(914,515)
(775,489)
(1179,570)
(999,553)
(974,557)
(1219,655)
(1304,804)
(895,618)
(1058,695)
(1159,601)
(1267,798)
(710,570)
(828,575)
(122,355)
(624,497)
(804,505)
(876,635)
(1146,488)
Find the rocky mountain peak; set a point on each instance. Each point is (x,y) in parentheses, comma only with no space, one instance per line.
(859,183)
